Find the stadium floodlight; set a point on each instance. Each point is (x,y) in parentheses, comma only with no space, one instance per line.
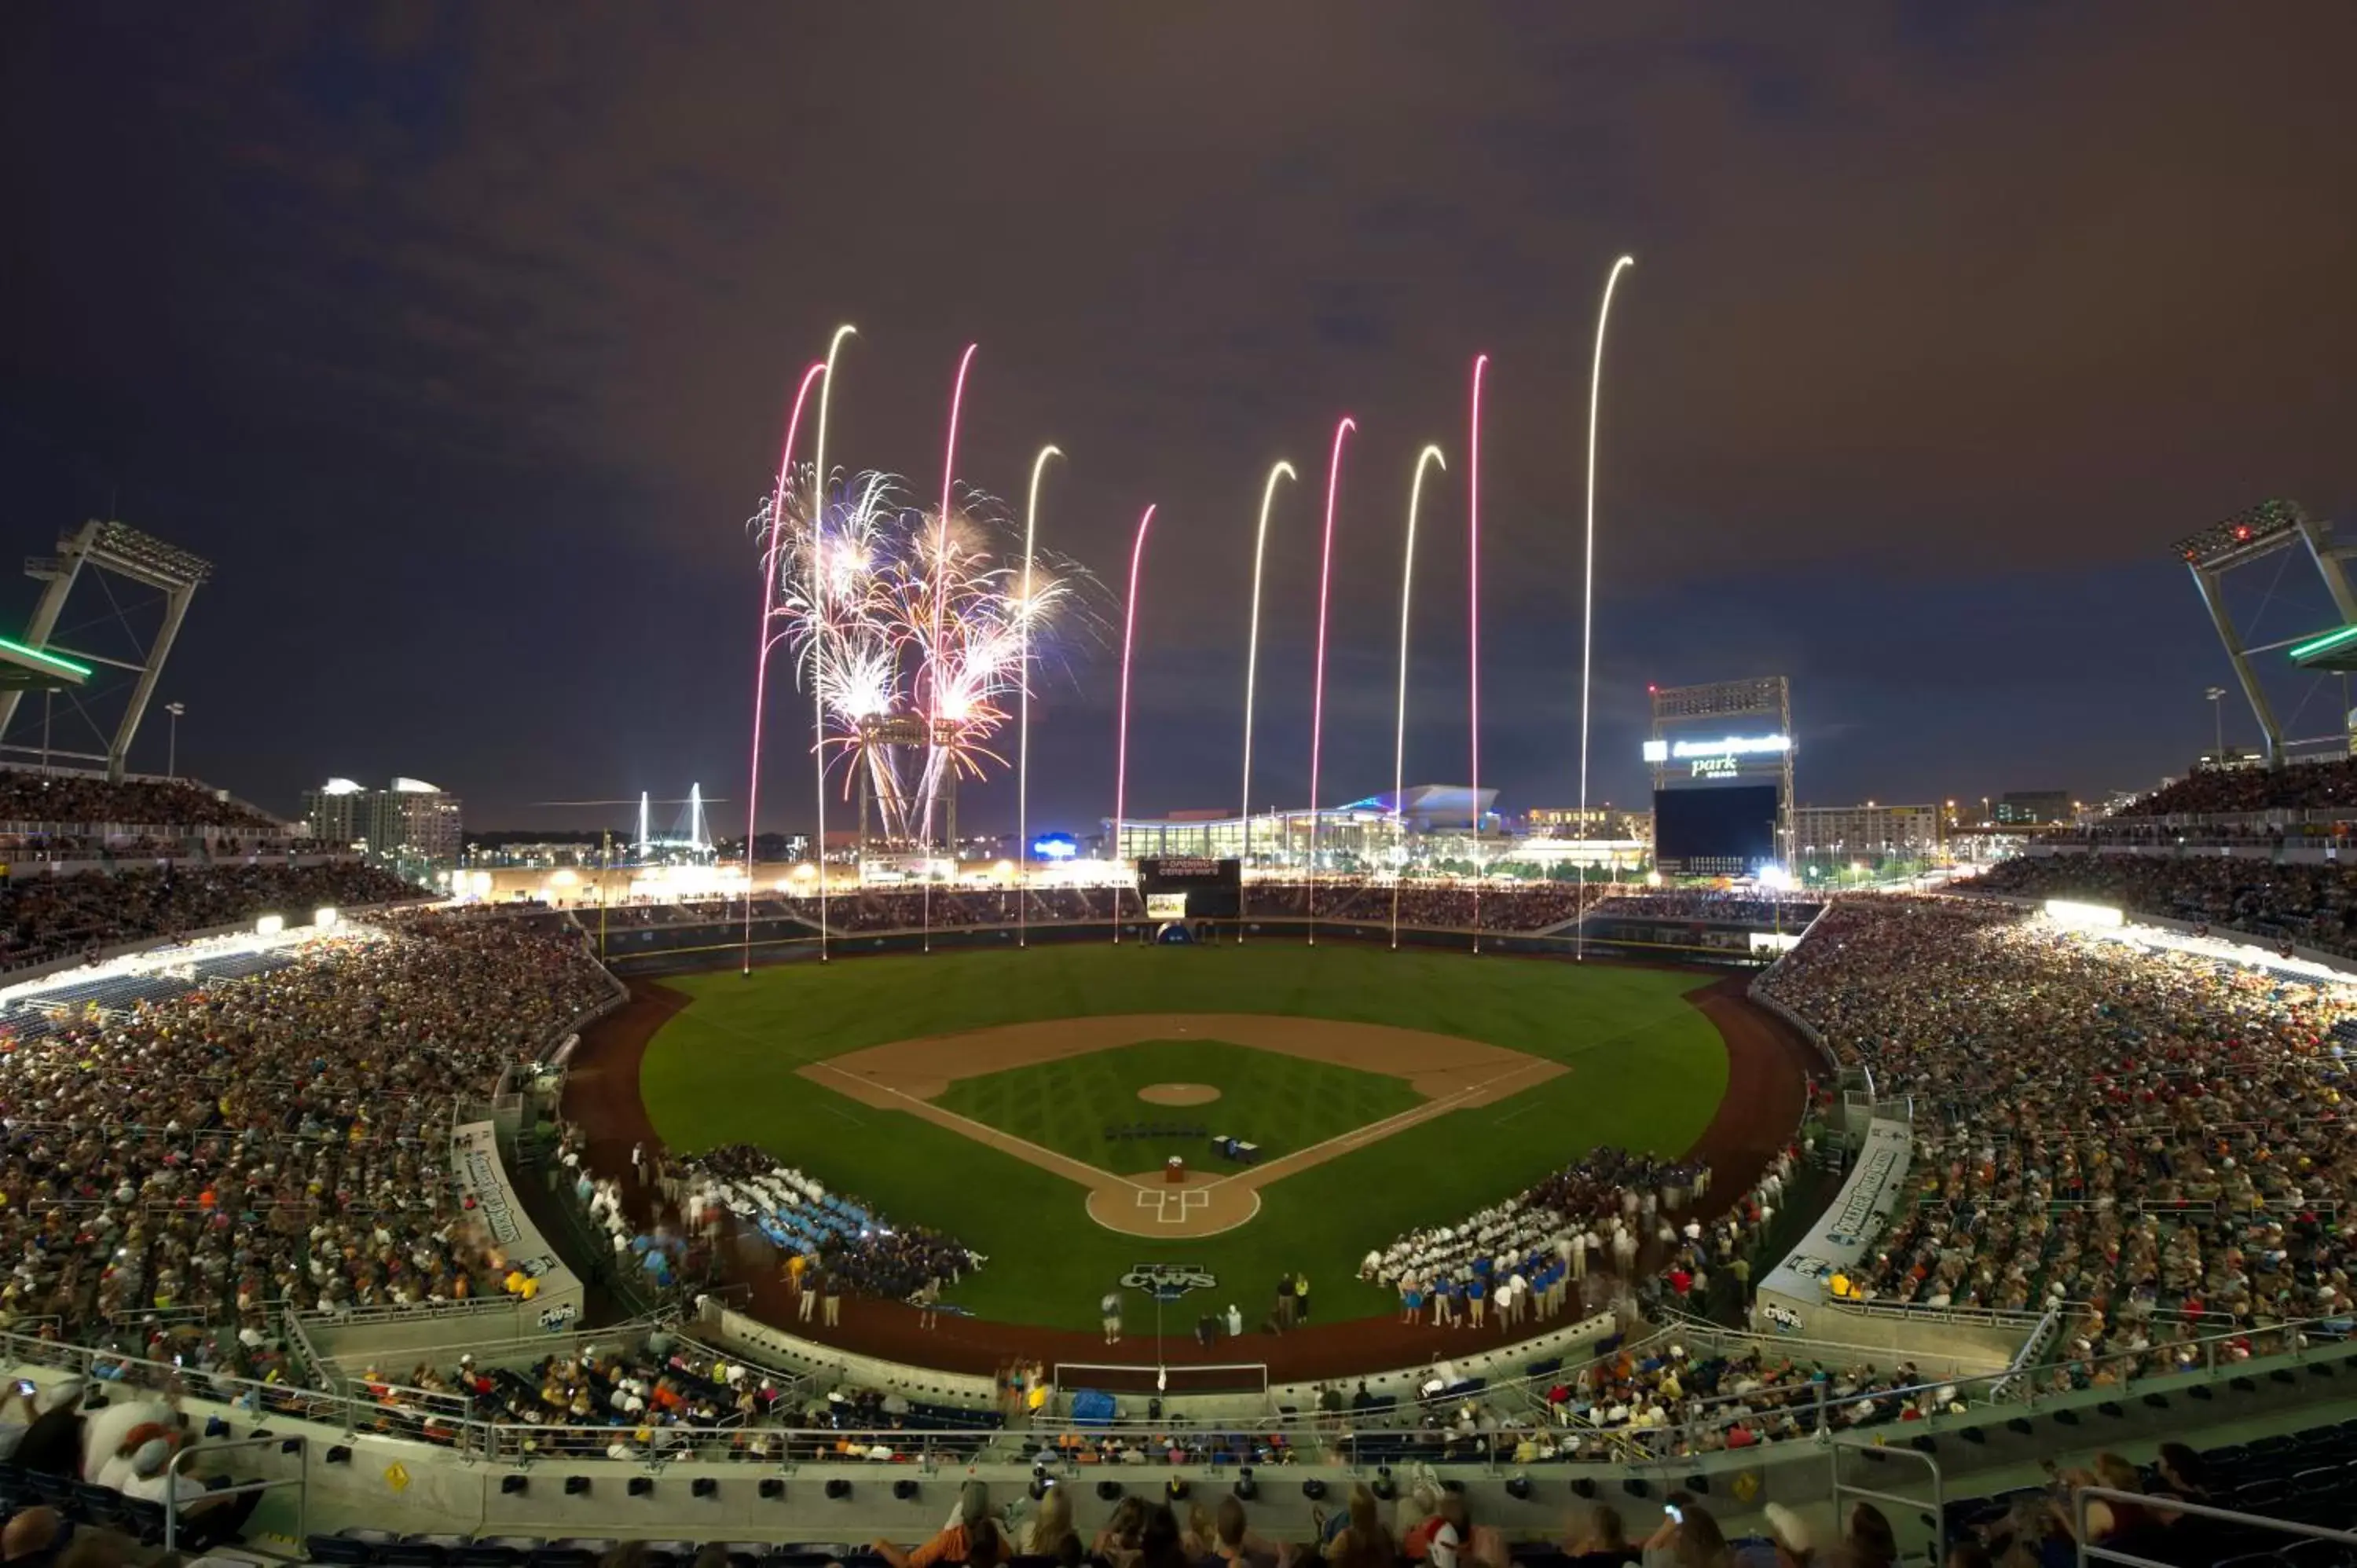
(269,924)
(325,917)
(106,548)
(2251,531)
(2074,916)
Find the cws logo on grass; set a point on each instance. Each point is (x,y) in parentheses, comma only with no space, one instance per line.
(1169,1282)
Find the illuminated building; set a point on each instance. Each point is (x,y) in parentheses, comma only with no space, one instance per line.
(1869,831)
(411,827)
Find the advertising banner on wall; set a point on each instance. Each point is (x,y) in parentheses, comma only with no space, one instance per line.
(1844,1232)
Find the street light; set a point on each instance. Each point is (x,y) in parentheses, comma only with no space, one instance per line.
(172,745)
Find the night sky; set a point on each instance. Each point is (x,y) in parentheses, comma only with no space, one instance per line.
(460,339)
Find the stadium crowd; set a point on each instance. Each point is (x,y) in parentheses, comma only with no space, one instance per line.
(2305,785)
(32,799)
(43,918)
(2307,905)
(1711,903)
(637,1400)
(279,1136)
(2156,1143)
(1526,907)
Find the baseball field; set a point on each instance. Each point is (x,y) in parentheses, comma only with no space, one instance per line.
(1029,1103)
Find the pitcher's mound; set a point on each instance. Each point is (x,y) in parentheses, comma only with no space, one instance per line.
(1178,1094)
(1151,1205)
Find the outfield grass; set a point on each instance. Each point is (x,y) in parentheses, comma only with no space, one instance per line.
(1282,1103)
(1646,1071)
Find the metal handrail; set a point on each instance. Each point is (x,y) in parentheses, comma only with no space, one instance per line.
(2015,1387)
(2080,1496)
(1898,1499)
(1981,1390)
(300,1481)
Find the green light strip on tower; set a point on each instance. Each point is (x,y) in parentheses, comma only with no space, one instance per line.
(2330,640)
(42,656)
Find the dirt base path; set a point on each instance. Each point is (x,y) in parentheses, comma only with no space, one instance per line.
(1768,1071)
(1451,1072)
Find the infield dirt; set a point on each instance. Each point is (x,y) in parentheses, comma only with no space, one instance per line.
(1450,1072)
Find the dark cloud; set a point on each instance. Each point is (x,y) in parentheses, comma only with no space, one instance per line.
(461,339)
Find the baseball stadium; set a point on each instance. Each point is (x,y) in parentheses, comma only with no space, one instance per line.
(1301,1178)
(1336,1165)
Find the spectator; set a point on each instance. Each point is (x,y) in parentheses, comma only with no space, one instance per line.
(52,1444)
(1599,1540)
(2154,1141)
(2307,904)
(1689,1537)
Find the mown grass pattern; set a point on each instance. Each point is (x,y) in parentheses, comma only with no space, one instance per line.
(1646,1071)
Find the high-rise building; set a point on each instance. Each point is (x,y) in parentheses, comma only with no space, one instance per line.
(1869,831)
(2034,808)
(411,827)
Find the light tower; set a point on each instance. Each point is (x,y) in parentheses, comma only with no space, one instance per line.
(2245,539)
(141,558)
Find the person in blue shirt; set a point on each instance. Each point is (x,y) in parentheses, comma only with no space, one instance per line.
(1476,1290)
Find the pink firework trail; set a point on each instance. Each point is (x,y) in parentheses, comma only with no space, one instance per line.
(1473,623)
(940,575)
(1318,689)
(1121,754)
(761,663)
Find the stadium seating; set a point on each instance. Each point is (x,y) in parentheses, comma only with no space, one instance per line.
(2307,785)
(45,918)
(62,803)
(2154,1141)
(2312,906)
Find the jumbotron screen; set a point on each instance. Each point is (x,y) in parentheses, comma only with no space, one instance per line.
(1213,888)
(1728,831)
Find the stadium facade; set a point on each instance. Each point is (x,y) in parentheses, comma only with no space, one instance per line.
(1425,820)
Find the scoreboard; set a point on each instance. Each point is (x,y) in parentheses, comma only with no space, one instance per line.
(1211,889)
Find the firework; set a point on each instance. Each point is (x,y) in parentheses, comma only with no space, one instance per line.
(1430,455)
(1587,577)
(1473,622)
(1251,658)
(1121,753)
(1317,685)
(912,628)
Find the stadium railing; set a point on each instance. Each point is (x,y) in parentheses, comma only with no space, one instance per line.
(1348,1437)
(2094,1551)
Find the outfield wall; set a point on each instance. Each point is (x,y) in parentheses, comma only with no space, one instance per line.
(764,1343)
(650,950)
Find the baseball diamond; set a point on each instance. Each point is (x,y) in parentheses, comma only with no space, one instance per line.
(1001,1098)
